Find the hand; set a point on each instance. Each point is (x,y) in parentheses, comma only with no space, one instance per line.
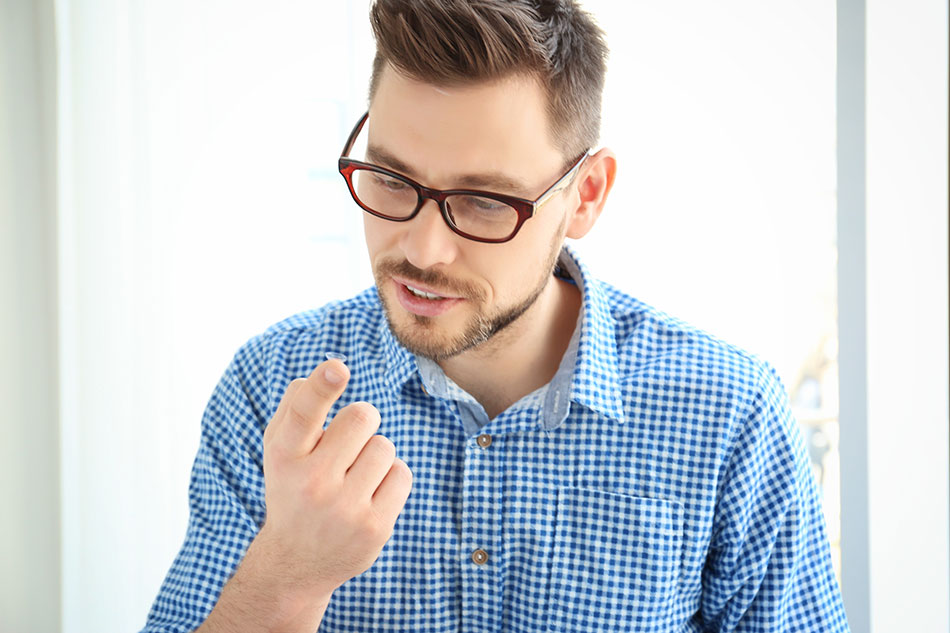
(332,497)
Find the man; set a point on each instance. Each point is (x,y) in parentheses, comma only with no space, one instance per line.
(577,461)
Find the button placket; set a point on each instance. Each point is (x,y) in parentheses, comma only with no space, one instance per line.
(481,533)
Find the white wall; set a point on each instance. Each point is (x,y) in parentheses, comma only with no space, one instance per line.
(907,352)
(200,204)
(723,118)
(29,435)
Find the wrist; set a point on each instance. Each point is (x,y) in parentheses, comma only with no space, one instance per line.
(272,568)
(269,590)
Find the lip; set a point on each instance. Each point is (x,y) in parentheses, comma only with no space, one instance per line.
(420,306)
(423,288)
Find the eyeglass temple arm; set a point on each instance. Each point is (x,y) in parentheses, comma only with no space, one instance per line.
(356,132)
(557,187)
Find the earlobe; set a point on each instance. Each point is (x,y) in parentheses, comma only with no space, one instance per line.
(595,181)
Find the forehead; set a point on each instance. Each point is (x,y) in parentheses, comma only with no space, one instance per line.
(444,131)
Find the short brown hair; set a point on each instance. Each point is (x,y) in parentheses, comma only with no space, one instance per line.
(451,42)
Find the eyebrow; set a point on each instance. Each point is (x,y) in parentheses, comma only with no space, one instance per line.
(491,181)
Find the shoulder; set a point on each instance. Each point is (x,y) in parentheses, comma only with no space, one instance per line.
(652,343)
(700,390)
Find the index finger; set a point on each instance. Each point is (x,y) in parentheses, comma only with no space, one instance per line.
(298,423)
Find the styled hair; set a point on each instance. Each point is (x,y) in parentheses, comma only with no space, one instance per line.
(453,42)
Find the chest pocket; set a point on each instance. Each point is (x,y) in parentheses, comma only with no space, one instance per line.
(616,562)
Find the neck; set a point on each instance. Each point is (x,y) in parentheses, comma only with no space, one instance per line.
(522,357)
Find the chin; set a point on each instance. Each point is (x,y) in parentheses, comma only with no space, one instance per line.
(425,339)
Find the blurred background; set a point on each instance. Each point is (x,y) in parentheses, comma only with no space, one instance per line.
(168,189)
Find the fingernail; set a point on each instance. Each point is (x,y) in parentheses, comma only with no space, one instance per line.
(333,376)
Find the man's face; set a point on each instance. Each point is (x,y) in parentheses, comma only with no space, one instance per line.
(491,137)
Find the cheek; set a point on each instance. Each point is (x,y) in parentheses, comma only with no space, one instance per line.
(517,271)
(378,234)
(499,272)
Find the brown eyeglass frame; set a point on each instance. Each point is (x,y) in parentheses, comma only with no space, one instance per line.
(525,208)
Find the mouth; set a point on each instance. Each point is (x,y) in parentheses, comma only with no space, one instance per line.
(423,301)
(423,294)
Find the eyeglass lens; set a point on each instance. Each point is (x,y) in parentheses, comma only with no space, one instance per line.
(395,198)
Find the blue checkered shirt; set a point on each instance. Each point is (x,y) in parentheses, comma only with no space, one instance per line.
(658,483)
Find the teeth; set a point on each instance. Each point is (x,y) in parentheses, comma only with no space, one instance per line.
(420,293)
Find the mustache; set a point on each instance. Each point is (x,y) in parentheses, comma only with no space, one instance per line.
(431,278)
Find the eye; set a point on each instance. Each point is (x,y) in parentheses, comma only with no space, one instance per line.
(393,184)
(484,204)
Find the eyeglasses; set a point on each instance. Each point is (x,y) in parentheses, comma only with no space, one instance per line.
(481,216)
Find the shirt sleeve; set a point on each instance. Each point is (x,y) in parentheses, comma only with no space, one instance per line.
(769,563)
(226,496)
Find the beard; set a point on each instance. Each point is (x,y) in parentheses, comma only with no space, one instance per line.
(422,335)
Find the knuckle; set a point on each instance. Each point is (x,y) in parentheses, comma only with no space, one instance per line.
(286,401)
(371,524)
(321,484)
(402,471)
(381,524)
(288,391)
(274,452)
(302,402)
(323,498)
(298,414)
(321,468)
(291,394)
(352,515)
(362,414)
(381,529)
(383,447)
(321,495)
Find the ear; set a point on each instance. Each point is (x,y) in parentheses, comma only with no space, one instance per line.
(594,182)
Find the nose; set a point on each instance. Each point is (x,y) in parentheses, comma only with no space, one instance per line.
(428,241)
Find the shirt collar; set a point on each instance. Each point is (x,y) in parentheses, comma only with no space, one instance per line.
(595,383)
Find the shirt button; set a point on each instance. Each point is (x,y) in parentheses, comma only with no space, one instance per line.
(479,557)
(484,440)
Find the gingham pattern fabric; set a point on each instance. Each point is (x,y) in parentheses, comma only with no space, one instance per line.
(675,495)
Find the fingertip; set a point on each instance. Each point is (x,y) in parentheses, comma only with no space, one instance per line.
(335,372)
(402,464)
